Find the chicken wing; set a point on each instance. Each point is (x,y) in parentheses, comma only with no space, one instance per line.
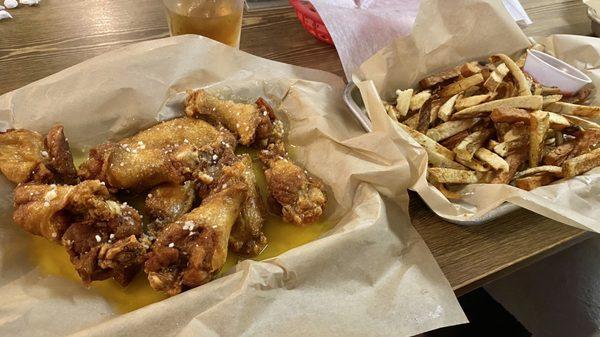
(248,122)
(168,202)
(247,237)
(300,195)
(28,156)
(190,251)
(100,235)
(165,153)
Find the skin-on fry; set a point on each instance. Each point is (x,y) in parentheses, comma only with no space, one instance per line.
(483,123)
(466,149)
(450,195)
(558,122)
(469,69)
(514,160)
(447,108)
(530,183)
(432,80)
(540,123)
(496,77)
(509,115)
(581,164)
(524,88)
(450,128)
(417,101)
(450,176)
(437,160)
(522,102)
(574,109)
(584,123)
(545,169)
(461,85)
(425,116)
(547,100)
(586,141)
(412,121)
(492,159)
(507,147)
(474,164)
(403,101)
(470,101)
(451,142)
(428,143)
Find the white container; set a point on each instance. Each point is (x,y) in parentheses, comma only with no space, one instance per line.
(552,72)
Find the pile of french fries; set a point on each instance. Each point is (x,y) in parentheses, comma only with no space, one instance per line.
(490,122)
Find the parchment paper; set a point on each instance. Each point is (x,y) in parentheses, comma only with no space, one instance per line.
(445,35)
(370,275)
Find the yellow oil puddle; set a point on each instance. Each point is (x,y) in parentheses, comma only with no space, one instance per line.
(52,259)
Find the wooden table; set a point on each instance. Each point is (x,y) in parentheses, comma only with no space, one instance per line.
(43,40)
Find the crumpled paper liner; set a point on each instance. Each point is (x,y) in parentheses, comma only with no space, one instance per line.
(371,274)
(447,35)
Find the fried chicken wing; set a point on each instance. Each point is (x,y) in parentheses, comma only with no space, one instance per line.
(247,237)
(168,202)
(28,156)
(248,122)
(300,195)
(190,251)
(165,153)
(99,234)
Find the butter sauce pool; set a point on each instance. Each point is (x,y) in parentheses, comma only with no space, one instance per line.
(52,259)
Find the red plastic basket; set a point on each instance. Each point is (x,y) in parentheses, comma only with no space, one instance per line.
(311,21)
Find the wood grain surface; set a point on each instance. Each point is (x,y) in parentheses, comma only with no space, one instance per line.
(42,40)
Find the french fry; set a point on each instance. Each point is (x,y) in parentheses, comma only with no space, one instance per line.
(496,77)
(530,183)
(559,154)
(391,110)
(544,169)
(493,123)
(474,165)
(438,160)
(507,147)
(547,100)
(493,160)
(425,116)
(412,121)
(514,160)
(469,69)
(574,109)
(524,88)
(450,195)
(428,143)
(461,85)
(581,164)
(540,123)
(470,101)
(509,115)
(403,101)
(506,90)
(418,99)
(447,108)
(451,142)
(586,141)
(430,81)
(450,176)
(484,109)
(550,90)
(584,123)
(450,128)
(466,149)
(558,122)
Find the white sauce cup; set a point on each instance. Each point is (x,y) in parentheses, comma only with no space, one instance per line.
(552,72)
